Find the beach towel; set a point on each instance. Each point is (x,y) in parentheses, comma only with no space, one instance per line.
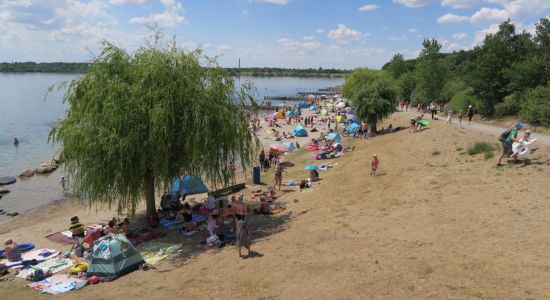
(54,265)
(64,237)
(58,284)
(155,252)
(39,255)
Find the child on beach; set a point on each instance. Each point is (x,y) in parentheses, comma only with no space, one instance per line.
(374,164)
(449,117)
(460,115)
(76,228)
(63,183)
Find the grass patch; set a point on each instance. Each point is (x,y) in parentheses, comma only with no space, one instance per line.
(436,152)
(482,147)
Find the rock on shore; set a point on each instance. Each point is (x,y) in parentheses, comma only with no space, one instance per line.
(26,173)
(4,180)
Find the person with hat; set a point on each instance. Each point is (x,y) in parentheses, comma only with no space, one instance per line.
(470,113)
(77,229)
(11,251)
(507,138)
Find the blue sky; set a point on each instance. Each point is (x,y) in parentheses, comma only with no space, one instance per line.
(284,33)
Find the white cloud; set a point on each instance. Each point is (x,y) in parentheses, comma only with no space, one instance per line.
(308,44)
(413,3)
(169,18)
(412,30)
(459,3)
(308,38)
(452,18)
(344,35)
(459,36)
(123,2)
(401,38)
(480,35)
(319,30)
(224,47)
(519,9)
(279,2)
(368,7)
(490,15)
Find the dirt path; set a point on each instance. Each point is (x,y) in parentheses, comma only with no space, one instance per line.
(486,128)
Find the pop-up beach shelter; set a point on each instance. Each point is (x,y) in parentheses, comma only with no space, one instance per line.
(279,115)
(113,256)
(313,108)
(290,113)
(188,185)
(334,136)
(353,128)
(324,112)
(299,130)
(302,104)
(290,146)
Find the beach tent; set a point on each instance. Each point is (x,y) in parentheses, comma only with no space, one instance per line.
(299,130)
(188,185)
(353,121)
(113,256)
(302,104)
(290,113)
(279,115)
(324,112)
(313,108)
(278,147)
(290,146)
(353,128)
(271,117)
(334,136)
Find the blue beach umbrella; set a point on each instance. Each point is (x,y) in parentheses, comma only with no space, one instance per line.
(310,167)
(189,185)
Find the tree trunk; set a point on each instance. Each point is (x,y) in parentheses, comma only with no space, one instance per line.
(150,193)
(373,128)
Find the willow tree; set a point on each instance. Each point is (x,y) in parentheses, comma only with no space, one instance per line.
(136,119)
(373,93)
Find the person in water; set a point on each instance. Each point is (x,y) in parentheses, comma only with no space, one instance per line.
(15,141)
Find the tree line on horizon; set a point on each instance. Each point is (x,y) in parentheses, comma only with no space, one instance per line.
(74,67)
(508,74)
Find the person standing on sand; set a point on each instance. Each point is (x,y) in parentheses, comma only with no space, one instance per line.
(243,237)
(374,164)
(63,183)
(433,109)
(262,160)
(460,115)
(470,113)
(507,138)
(279,175)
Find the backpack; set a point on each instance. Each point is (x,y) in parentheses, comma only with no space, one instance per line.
(504,136)
(37,275)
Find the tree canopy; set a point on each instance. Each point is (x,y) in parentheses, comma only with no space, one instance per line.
(136,119)
(373,93)
(430,75)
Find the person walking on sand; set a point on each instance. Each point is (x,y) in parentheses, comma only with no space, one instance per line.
(507,138)
(470,113)
(460,115)
(433,109)
(278,175)
(449,117)
(243,237)
(262,160)
(63,183)
(374,164)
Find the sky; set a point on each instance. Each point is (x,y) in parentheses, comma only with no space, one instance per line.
(342,34)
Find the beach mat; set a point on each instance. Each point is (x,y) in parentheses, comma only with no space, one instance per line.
(154,252)
(58,284)
(54,265)
(64,237)
(38,254)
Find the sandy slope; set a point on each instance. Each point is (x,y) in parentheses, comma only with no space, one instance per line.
(429,226)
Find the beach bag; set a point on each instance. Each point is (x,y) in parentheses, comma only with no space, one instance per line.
(37,275)
(503,136)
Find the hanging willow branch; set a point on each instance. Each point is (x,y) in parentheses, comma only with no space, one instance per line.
(156,110)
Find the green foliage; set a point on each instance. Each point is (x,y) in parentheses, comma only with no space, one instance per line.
(56,67)
(480,147)
(373,93)
(406,84)
(453,87)
(136,119)
(430,73)
(536,106)
(397,66)
(461,101)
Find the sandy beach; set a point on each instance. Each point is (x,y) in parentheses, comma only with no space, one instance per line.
(445,225)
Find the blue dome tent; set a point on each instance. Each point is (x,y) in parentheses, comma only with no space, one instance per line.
(189,185)
(299,130)
(313,108)
(353,128)
(334,136)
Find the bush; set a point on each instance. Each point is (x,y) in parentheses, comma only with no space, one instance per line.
(502,109)
(481,147)
(461,101)
(536,106)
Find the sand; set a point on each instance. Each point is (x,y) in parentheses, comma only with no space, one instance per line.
(429,225)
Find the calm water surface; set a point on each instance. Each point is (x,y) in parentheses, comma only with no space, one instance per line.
(25,113)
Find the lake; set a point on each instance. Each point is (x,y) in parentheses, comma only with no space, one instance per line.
(25,113)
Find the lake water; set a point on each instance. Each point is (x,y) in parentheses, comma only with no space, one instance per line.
(25,113)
